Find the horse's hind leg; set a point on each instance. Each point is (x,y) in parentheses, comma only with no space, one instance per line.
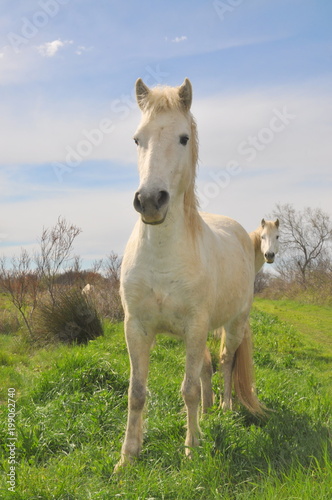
(138,344)
(232,338)
(206,385)
(227,359)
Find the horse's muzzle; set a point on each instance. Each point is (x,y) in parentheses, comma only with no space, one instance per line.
(152,206)
(269,257)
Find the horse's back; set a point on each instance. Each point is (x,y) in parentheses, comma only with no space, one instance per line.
(227,228)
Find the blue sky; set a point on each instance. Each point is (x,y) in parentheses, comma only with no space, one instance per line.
(261,74)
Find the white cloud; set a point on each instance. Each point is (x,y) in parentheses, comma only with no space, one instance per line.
(49,49)
(26,65)
(179,39)
(81,49)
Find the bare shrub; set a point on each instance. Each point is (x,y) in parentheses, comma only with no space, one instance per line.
(262,281)
(318,289)
(21,285)
(56,246)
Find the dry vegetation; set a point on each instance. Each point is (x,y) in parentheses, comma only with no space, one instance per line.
(46,290)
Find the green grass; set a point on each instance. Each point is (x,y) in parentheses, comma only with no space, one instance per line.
(313,325)
(312,320)
(72,405)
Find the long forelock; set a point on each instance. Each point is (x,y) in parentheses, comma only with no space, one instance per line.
(161,99)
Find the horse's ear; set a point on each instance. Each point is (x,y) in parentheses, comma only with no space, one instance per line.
(142,91)
(186,94)
(263,222)
(276,222)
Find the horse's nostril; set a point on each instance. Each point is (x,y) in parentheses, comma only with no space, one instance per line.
(137,203)
(163,198)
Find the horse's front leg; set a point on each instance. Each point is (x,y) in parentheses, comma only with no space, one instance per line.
(138,344)
(191,387)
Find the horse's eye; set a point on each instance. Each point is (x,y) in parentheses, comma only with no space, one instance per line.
(263,237)
(277,237)
(184,139)
(136,141)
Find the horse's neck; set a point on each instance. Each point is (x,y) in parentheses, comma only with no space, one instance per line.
(259,257)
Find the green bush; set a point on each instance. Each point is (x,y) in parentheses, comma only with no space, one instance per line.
(72,319)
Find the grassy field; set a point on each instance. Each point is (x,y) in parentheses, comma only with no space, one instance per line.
(70,414)
(312,320)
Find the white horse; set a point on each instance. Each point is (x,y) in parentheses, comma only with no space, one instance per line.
(183,273)
(266,242)
(87,290)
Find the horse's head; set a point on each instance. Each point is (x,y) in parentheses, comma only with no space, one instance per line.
(167,149)
(269,239)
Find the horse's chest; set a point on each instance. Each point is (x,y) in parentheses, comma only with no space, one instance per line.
(164,293)
(163,304)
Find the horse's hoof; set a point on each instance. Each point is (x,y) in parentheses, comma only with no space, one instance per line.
(122,463)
